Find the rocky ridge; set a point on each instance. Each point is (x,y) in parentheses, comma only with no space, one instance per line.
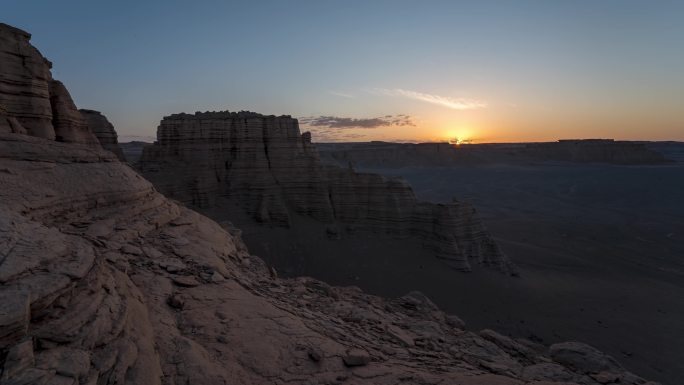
(394,155)
(105,281)
(32,102)
(266,166)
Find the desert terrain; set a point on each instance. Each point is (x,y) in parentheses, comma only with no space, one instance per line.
(599,248)
(104,280)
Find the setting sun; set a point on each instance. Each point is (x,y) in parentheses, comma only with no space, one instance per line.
(458,137)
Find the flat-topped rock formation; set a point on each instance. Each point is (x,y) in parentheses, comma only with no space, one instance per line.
(393,155)
(388,154)
(105,281)
(103,130)
(595,150)
(267,167)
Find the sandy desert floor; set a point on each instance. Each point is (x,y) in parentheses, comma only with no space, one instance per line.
(601,252)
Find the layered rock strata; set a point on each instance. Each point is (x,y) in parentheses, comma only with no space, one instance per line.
(266,166)
(104,131)
(29,94)
(105,281)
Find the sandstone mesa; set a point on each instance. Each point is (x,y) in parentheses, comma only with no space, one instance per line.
(106,281)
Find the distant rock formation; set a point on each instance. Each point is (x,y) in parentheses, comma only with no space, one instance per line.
(393,155)
(265,165)
(104,131)
(595,150)
(386,154)
(105,281)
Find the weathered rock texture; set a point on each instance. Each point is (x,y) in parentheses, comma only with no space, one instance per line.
(383,154)
(105,281)
(265,165)
(32,102)
(104,131)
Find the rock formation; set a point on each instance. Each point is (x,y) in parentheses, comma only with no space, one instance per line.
(595,150)
(32,99)
(103,130)
(386,154)
(393,155)
(105,281)
(28,93)
(265,165)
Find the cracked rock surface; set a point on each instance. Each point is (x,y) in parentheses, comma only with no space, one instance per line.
(106,281)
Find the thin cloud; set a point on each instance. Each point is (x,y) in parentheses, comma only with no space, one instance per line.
(342,123)
(444,101)
(341,94)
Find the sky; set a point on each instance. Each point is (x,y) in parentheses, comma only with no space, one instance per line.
(480,71)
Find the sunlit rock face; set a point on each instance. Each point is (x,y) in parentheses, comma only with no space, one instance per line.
(105,281)
(265,165)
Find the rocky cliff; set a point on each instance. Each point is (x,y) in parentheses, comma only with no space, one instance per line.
(105,281)
(32,102)
(266,166)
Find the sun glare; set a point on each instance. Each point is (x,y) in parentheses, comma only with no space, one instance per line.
(458,138)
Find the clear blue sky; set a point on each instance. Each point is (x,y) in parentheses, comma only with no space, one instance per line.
(482,70)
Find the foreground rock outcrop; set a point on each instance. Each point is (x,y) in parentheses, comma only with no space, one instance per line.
(105,281)
(267,167)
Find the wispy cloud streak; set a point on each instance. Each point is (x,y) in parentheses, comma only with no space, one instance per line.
(341,94)
(445,101)
(340,122)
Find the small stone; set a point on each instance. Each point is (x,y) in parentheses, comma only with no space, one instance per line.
(217,277)
(272,271)
(314,354)
(18,358)
(14,315)
(175,301)
(582,357)
(130,249)
(67,362)
(356,357)
(174,268)
(455,322)
(222,339)
(606,377)
(186,281)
